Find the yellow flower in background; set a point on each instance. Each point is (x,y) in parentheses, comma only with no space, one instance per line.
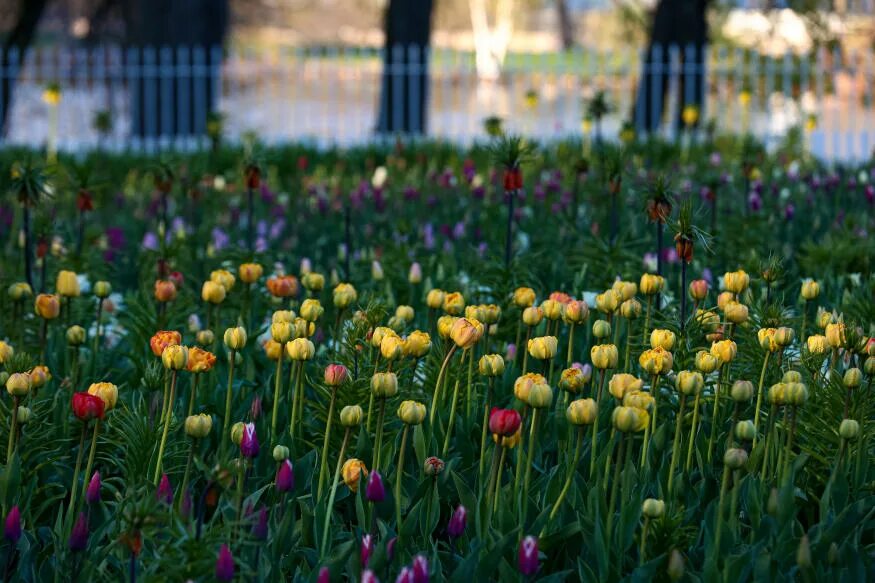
(623,383)
(52,94)
(630,419)
(434,299)
(465,333)
(656,361)
(664,339)
(724,351)
(224,278)
(445,325)
(766,337)
(651,284)
(582,412)
(836,335)
(744,98)
(417,344)
(604,356)
(108,392)
(352,471)
(543,347)
(706,362)
(250,272)
(454,303)
(67,284)
(736,281)
(817,344)
(690,115)
(524,297)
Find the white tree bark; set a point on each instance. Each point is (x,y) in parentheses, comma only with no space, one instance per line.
(491,42)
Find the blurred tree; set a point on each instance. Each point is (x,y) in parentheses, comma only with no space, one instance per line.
(403,103)
(182,41)
(681,25)
(566,25)
(19,39)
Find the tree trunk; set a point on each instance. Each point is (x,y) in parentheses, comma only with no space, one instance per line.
(681,27)
(177,48)
(18,41)
(566,25)
(404,96)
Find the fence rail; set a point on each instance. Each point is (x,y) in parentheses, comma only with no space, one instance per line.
(331,96)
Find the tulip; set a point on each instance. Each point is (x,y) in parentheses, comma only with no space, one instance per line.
(504,422)
(456,526)
(698,289)
(162,339)
(351,471)
(164,492)
(368,576)
(213,293)
(12,526)
(572,380)
(225,564)
(375,491)
(528,556)
(311,310)
(736,281)
(67,284)
(417,344)
(434,299)
(79,535)
(454,303)
(92,493)
(285,477)
(366,549)
(165,291)
(735,312)
(623,383)
(420,569)
(249,446)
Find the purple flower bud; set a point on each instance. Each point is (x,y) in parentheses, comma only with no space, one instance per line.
(420,569)
(458,520)
(324,575)
(405,576)
(79,535)
(528,556)
(259,528)
(12,529)
(285,476)
(92,493)
(249,444)
(165,491)
(390,548)
(225,564)
(367,549)
(369,577)
(375,491)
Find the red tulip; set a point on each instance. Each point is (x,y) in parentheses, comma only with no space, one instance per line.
(504,422)
(87,407)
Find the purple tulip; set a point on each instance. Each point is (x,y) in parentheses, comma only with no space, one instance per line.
(249,444)
(285,477)
(369,577)
(12,529)
(165,491)
(367,549)
(390,548)
(225,564)
(324,575)
(375,491)
(79,535)
(458,520)
(405,576)
(92,493)
(420,569)
(259,528)
(528,556)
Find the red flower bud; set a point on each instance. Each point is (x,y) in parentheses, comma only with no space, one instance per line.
(87,407)
(504,422)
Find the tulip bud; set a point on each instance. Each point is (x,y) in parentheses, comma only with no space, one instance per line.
(75,335)
(205,337)
(689,382)
(67,284)
(213,292)
(745,431)
(102,289)
(608,302)
(458,520)
(235,338)
(384,384)
(653,508)
(391,347)
(532,316)
(582,412)
(543,347)
(630,419)
(735,458)
(175,357)
(576,312)
(18,384)
(630,309)
(836,335)
(524,297)
(656,361)
(540,396)
(651,284)
(698,289)
(454,303)
(351,416)
(465,333)
(417,344)
(803,553)
(796,394)
(735,312)
(504,422)
(92,493)
(198,426)
(434,299)
(675,568)
(285,475)
(601,329)
(736,281)
(107,392)
(47,306)
(528,556)
(784,336)
(281,332)
(375,492)
(225,565)
(491,365)
(445,326)
(810,290)
(552,309)
(572,380)
(869,366)
(301,349)
(604,356)
(237,432)
(411,412)
(433,466)
(849,429)
(250,272)
(311,309)
(414,276)
(164,493)
(23,415)
(344,295)
(741,391)
(622,384)
(853,378)
(352,470)
(79,535)
(249,446)
(280,453)
(791,376)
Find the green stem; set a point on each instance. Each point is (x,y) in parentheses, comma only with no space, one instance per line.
(693,429)
(469,401)
(297,366)
(756,415)
(452,420)
(192,399)
(595,427)
(398,476)
(613,499)
(437,388)
(378,439)
(570,355)
(643,545)
(675,447)
(92,451)
(715,419)
(646,320)
(277,387)
(227,422)
(789,449)
(331,497)
(718,530)
(490,495)
(533,443)
(167,422)
(525,349)
(628,345)
(323,466)
(568,480)
(485,429)
(12,431)
(187,473)
(74,488)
